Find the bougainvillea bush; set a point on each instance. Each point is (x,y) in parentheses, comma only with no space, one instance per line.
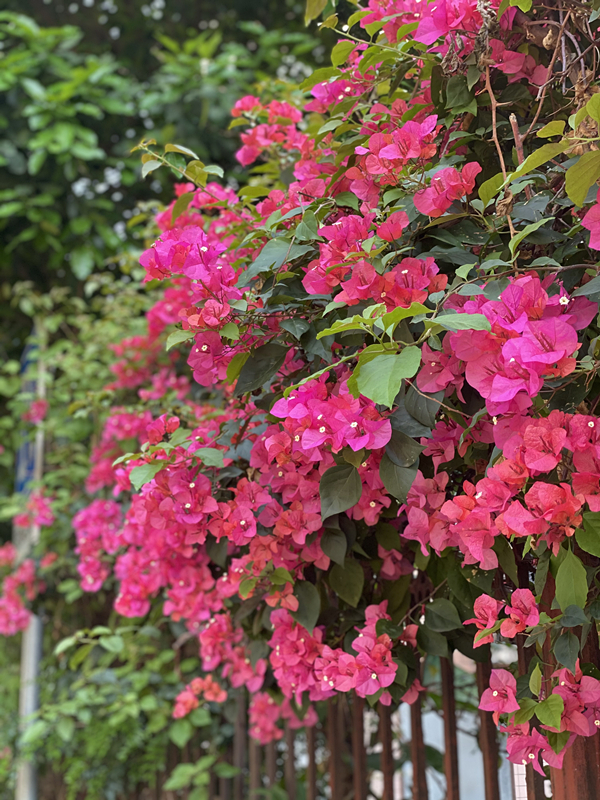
(373,436)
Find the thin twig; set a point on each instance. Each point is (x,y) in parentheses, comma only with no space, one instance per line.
(519,148)
(494,103)
(542,95)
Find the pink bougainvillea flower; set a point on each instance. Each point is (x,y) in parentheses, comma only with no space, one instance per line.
(523,613)
(446,186)
(486,615)
(501,697)
(392,228)
(591,222)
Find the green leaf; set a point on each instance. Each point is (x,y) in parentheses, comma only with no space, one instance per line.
(196,173)
(235,366)
(348,581)
(319,76)
(340,489)
(535,680)
(558,741)
(441,616)
(490,188)
(297,327)
(524,5)
(150,166)
(308,227)
(36,161)
(340,52)
(431,642)
(422,406)
(224,770)
(177,337)
(281,576)
(214,169)
(506,558)
(230,331)
(357,16)
(387,536)
(274,255)
(355,323)
(566,650)
(260,367)
(398,314)
(539,157)
(526,712)
(34,731)
(550,710)
(314,9)
(82,261)
(593,107)
(65,728)
(588,537)
(397,480)
(462,322)
(541,573)
(200,717)
(573,616)
(554,128)
(571,582)
(347,199)
(588,289)
(143,474)
(518,238)
(65,644)
(582,176)
(334,545)
(246,587)
(380,378)
(114,644)
(183,774)
(181,204)
(403,450)
(211,457)
(457,93)
(309,605)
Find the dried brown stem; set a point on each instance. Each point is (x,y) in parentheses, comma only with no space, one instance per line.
(494,104)
(519,148)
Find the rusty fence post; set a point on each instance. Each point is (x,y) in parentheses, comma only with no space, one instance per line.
(487,737)
(359,754)
(271,763)
(290,763)
(239,748)
(311,771)
(254,764)
(450,733)
(417,749)
(387,756)
(334,746)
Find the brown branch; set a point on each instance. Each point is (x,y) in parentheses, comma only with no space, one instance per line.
(494,103)
(519,148)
